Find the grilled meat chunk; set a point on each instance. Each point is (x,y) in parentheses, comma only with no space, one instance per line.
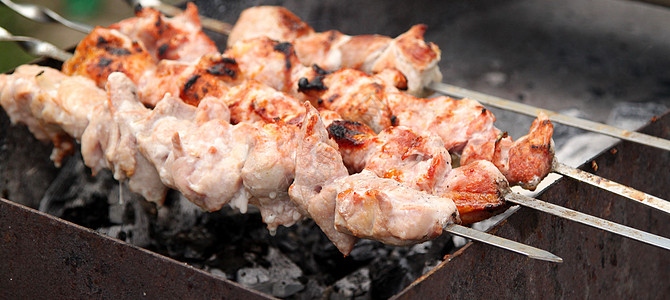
(104,51)
(332,50)
(179,38)
(421,162)
(366,205)
(212,162)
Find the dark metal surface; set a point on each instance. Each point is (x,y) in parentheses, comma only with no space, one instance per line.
(597,264)
(47,258)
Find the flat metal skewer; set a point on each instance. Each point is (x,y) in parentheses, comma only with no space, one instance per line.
(35,47)
(613,187)
(632,136)
(497,241)
(44,15)
(589,220)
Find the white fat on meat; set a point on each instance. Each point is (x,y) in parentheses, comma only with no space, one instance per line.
(317,165)
(30,96)
(209,160)
(364,204)
(388,211)
(409,53)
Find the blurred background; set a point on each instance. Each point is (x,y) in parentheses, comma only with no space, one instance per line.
(98,12)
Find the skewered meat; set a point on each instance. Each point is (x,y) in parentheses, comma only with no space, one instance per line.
(198,152)
(104,51)
(179,38)
(465,127)
(367,206)
(422,162)
(332,50)
(52,104)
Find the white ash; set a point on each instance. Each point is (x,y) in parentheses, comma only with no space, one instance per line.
(354,286)
(281,279)
(582,146)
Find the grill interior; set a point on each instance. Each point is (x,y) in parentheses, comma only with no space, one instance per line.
(595,60)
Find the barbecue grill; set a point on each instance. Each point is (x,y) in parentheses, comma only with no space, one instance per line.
(597,263)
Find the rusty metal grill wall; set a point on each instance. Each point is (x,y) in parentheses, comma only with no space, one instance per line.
(597,264)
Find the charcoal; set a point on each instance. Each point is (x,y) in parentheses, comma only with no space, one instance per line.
(178,214)
(388,277)
(125,209)
(257,278)
(217,272)
(73,189)
(313,290)
(365,251)
(281,279)
(354,286)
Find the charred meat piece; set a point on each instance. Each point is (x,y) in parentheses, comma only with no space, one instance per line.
(332,50)
(104,51)
(421,162)
(179,38)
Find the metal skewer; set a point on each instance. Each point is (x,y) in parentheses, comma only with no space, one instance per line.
(589,220)
(613,187)
(35,47)
(44,15)
(632,136)
(497,241)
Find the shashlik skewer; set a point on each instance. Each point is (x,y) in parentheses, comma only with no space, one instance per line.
(625,191)
(35,47)
(121,134)
(111,43)
(86,64)
(151,17)
(449,90)
(460,92)
(534,145)
(146,146)
(354,95)
(44,15)
(270,15)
